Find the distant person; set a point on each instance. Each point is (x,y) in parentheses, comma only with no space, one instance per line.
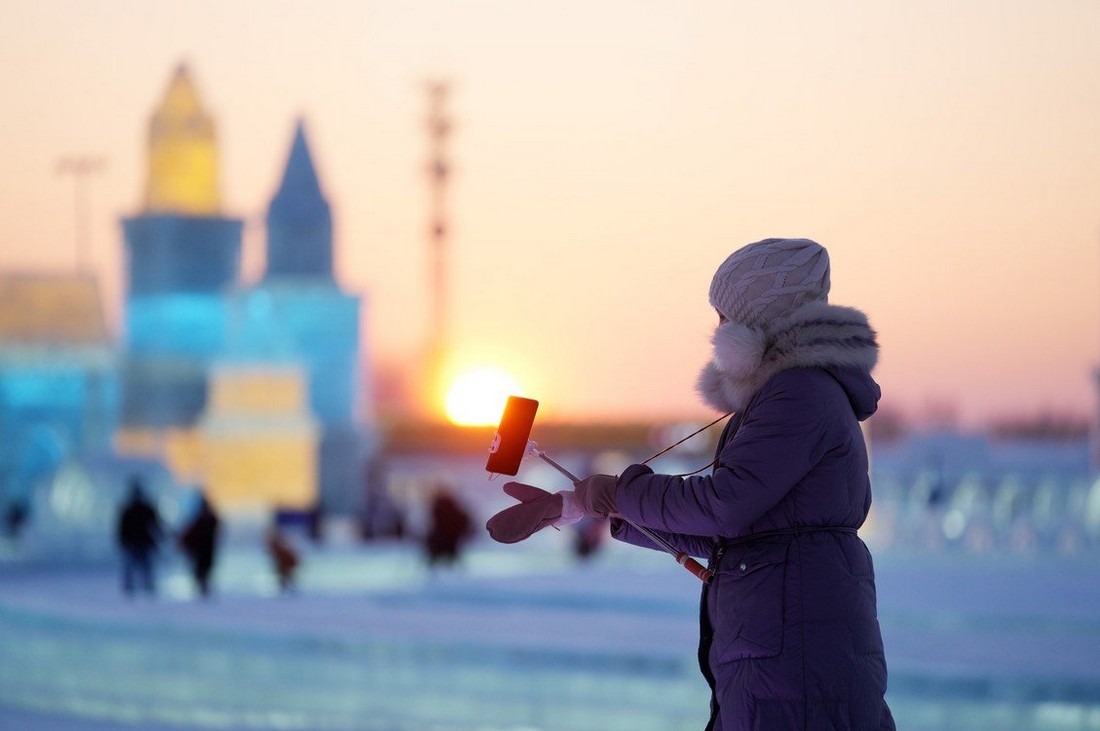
(284,559)
(316,523)
(15,517)
(588,535)
(139,531)
(789,635)
(381,515)
(450,526)
(199,540)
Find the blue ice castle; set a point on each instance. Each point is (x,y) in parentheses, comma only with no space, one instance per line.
(253,392)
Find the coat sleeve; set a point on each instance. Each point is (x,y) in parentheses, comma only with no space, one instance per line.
(698,546)
(779,441)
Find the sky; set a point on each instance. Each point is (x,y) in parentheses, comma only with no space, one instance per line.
(608,155)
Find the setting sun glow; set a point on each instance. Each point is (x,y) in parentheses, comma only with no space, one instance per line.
(477,397)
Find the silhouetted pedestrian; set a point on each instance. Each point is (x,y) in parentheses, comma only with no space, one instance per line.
(199,541)
(139,530)
(450,527)
(588,534)
(15,517)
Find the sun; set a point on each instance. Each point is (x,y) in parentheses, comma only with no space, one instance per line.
(477,397)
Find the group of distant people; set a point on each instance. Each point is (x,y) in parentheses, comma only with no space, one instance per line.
(141,532)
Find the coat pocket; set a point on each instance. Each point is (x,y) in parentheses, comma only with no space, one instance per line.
(746,602)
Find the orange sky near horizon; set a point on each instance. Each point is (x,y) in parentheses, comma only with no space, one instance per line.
(608,155)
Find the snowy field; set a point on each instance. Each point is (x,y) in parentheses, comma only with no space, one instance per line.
(519,638)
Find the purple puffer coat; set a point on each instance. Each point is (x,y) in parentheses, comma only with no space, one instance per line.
(789,631)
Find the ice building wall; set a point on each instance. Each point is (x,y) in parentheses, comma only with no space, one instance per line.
(58,379)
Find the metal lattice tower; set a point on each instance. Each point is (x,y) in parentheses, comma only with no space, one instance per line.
(439,128)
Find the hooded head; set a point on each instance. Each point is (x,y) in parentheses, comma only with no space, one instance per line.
(773,299)
(762,282)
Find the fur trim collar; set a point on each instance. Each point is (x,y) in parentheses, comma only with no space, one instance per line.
(814,335)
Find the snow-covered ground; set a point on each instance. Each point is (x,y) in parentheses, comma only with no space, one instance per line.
(516,638)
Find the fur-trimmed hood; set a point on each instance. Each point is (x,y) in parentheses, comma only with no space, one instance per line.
(816,335)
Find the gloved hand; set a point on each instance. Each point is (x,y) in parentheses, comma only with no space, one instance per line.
(536,510)
(595,495)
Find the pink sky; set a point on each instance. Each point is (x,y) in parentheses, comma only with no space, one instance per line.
(608,156)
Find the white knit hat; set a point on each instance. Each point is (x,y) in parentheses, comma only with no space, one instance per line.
(767,280)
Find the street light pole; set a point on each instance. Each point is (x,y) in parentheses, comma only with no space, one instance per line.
(80,167)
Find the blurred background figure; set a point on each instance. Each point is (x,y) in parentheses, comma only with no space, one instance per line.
(449,527)
(381,516)
(284,558)
(588,534)
(15,516)
(139,532)
(199,541)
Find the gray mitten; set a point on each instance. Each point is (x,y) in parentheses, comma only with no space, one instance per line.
(536,510)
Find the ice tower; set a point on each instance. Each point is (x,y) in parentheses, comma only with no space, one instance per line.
(299,312)
(182,260)
(299,220)
(182,175)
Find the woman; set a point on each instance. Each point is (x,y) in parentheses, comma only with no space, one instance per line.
(789,635)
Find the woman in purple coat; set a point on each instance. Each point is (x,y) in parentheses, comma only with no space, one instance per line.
(789,635)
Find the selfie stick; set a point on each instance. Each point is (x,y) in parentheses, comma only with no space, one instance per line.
(701,572)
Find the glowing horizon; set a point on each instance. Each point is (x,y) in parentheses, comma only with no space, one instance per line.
(605,161)
(476,397)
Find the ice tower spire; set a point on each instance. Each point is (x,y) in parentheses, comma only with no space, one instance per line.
(299,221)
(183,160)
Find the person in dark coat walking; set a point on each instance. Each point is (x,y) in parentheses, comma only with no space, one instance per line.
(199,540)
(789,635)
(139,531)
(450,526)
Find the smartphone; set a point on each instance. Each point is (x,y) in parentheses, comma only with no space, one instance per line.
(510,441)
